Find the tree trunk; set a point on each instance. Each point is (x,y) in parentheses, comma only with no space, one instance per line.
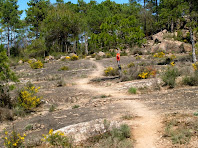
(8,50)
(172,25)
(193,46)
(86,44)
(1,38)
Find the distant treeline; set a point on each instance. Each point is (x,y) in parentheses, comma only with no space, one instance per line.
(85,28)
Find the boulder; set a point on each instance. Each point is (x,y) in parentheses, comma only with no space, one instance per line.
(159,36)
(101,54)
(20,62)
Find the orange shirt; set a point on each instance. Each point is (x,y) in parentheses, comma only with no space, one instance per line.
(118,56)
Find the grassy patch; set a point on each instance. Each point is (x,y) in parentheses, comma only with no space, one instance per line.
(29,127)
(179,128)
(117,137)
(64,68)
(191,80)
(52,108)
(75,106)
(127,117)
(132,90)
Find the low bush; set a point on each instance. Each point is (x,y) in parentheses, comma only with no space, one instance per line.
(57,139)
(131,65)
(132,90)
(169,76)
(13,139)
(191,80)
(27,97)
(64,68)
(74,57)
(159,55)
(110,71)
(36,65)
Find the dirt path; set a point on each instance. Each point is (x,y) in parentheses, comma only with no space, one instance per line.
(145,127)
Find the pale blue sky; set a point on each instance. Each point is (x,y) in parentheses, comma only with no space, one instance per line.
(23,3)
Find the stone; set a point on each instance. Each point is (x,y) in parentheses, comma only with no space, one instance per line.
(20,62)
(101,54)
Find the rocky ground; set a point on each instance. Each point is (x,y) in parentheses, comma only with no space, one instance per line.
(82,94)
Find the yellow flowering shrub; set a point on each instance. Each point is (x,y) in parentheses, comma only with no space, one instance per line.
(74,57)
(195,66)
(27,97)
(36,65)
(57,139)
(172,57)
(159,55)
(13,139)
(110,71)
(172,63)
(148,72)
(67,58)
(29,61)
(138,57)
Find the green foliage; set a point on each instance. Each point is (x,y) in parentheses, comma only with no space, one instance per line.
(169,76)
(27,97)
(64,68)
(6,75)
(52,108)
(75,106)
(191,80)
(132,90)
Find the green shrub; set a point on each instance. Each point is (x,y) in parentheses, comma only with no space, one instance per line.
(64,68)
(36,65)
(110,71)
(75,106)
(169,76)
(191,80)
(52,108)
(132,90)
(108,55)
(131,65)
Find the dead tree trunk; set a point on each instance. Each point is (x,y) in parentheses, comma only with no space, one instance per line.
(193,46)
(86,44)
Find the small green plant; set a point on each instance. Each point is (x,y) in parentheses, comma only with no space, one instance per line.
(169,76)
(27,97)
(13,139)
(64,68)
(57,139)
(61,82)
(36,65)
(74,57)
(104,96)
(195,113)
(191,80)
(110,71)
(131,65)
(127,117)
(98,57)
(132,90)
(108,55)
(75,106)
(29,127)
(19,111)
(52,108)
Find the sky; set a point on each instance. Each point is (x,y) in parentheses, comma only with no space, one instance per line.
(23,3)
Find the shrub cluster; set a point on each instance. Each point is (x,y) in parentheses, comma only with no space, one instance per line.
(148,72)
(191,80)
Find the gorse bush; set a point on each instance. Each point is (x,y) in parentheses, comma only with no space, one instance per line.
(169,76)
(110,71)
(159,55)
(148,72)
(13,139)
(74,57)
(36,65)
(57,139)
(28,99)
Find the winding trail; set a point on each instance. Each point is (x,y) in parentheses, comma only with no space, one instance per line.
(146,127)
